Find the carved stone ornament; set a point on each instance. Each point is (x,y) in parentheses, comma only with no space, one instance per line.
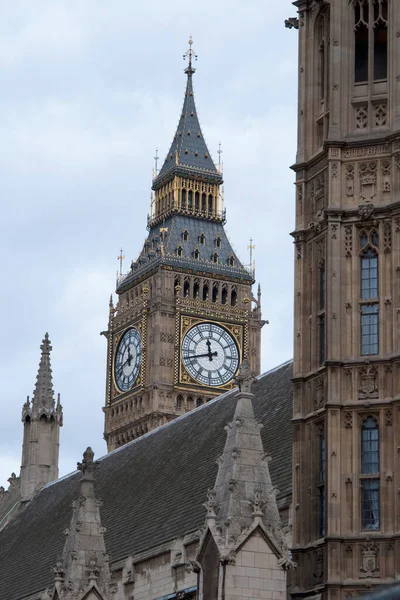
(368,386)
(257,504)
(319,564)
(348,420)
(350,180)
(348,241)
(245,377)
(367,173)
(388,417)
(369,560)
(365,211)
(211,506)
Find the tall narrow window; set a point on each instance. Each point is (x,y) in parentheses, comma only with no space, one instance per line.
(361,28)
(322,277)
(371,40)
(370,487)
(183,198)
(321,314)
(190,199)
(322,480)
(380,40)
(322,340)
(369,293)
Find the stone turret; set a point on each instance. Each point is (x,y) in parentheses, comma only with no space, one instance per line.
(243,546)
(84,572)
(42,420)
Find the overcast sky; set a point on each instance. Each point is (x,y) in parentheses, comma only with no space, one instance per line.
(89,89)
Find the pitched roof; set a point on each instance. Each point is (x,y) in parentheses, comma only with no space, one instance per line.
(151,255)
(188,148)
(153,488)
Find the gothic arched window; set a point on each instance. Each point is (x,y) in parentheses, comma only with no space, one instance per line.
(322,480)
(371,40)
(202,238)
(233,296)
(214,257)
(224,294)
(370,488)
(179,251)
(185,235)
(205,291)
(196,289)
(369,292)
(196,254)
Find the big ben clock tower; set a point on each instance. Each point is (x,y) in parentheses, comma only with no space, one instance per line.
(186,316)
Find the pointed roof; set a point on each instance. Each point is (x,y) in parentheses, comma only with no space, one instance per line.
(43,395)
(244,497)
(84,563)
(188,149)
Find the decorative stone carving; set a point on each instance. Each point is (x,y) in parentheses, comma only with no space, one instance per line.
(211,506)
(368,385)
(367,172)
(334,228)
(245,377)
(348,241)
(369,560)
(348,420)
(319,392)
(388,417)
(387,237)
(350,180)
(386,166)
(365,211)
(361,116)
(319,564)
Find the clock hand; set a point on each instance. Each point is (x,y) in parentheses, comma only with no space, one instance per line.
(201,355)
(210,354)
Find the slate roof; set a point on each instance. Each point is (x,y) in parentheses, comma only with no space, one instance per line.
(151,256)
(188,147)
(153,488)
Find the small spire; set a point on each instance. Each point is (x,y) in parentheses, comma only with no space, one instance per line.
(43,395)
(244,496)
(84,561)
(191,55)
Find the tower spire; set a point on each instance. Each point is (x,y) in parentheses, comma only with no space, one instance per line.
(188,152)
(43,395)
(42,421)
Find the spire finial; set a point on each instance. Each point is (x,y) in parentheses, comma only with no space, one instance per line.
(120,258)
(220,163)
(191,55)
(155,170)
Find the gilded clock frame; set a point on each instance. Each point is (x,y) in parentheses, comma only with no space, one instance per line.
(181,375)
(116,392)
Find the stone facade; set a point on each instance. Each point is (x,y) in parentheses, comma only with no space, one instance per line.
(346,338)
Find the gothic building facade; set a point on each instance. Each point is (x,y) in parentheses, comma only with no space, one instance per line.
(347,297)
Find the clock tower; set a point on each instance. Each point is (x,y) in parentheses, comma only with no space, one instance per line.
(186,316)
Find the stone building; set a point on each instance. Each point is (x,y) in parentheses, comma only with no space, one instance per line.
(322,476)
(346,334)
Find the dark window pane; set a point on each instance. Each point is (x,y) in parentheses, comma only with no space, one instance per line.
(369,276)
(369,330)
(322,287)
(361,55)
(380,52)
(322,510)
(322,340)
(370,504)
(369,447)
(322,457)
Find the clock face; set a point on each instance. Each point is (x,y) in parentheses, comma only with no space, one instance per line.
(210,354)
(127,359)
